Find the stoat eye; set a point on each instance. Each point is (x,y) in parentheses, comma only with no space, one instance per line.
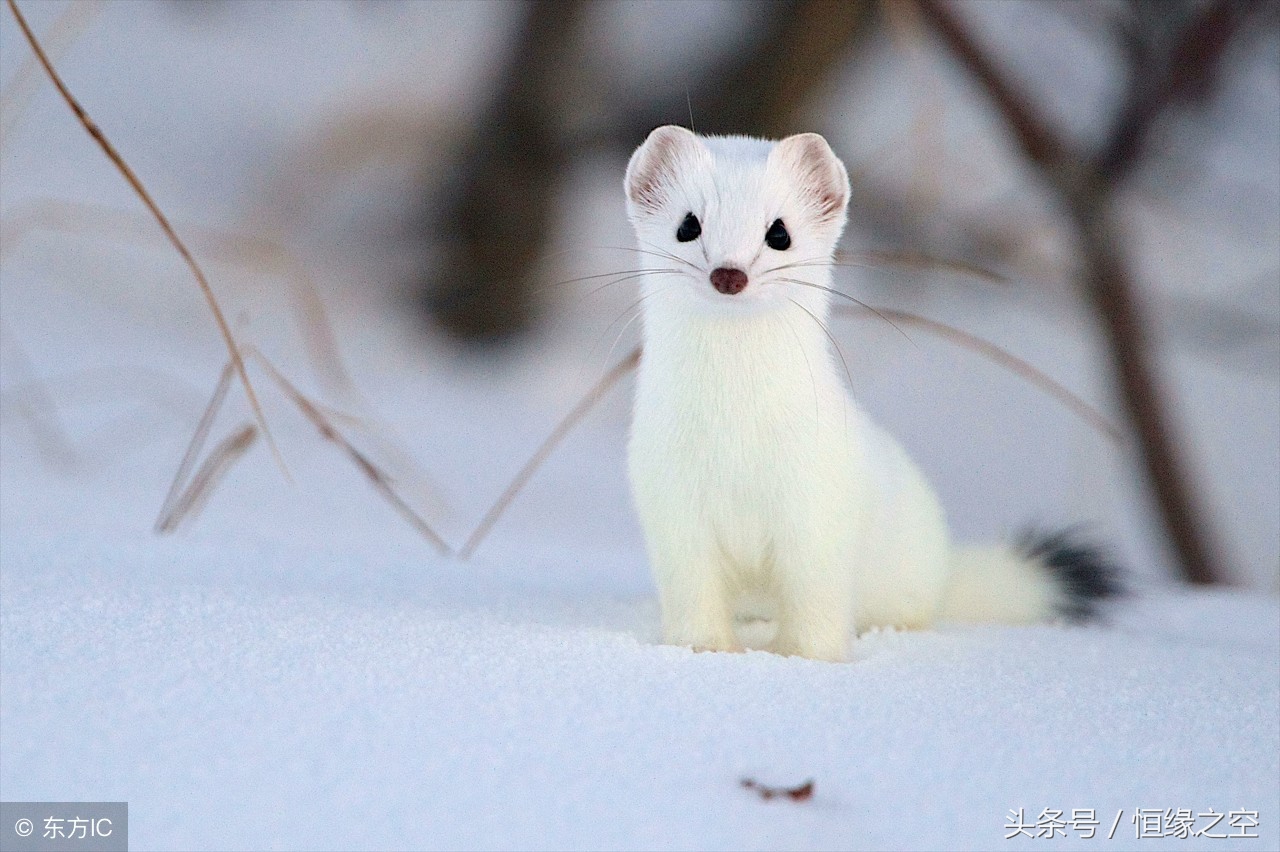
(777,237)
(690,229)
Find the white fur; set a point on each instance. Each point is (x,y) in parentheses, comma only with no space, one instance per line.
(765,493)
(993,584)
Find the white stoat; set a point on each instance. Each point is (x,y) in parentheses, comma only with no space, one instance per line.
(765,493)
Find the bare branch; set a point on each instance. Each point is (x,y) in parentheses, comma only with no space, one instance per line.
(1110,287)
(1190,70)
(1039,140)
(1087,185)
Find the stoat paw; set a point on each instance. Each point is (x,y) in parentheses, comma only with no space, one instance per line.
(824,648)
(703,642)
(707,649)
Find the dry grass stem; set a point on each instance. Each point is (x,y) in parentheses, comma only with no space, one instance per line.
(228,246)
(1002,358)
(195,446)
(920,260)
(588,401)
(252,251)
(181,502)
(381,481)
(188,504)
(94,131)
(36,407)
(58,39)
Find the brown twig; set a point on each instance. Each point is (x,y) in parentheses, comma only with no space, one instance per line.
(1040,141)
(136,184)
(1109,286)
(1188,73)
(570,420)
(799,793)
(180,502)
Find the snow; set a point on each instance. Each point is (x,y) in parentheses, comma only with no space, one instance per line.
(305,715)
(297,669)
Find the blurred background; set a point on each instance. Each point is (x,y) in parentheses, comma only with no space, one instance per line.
(399,204)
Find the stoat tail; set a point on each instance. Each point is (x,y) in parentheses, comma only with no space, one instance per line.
(1039,577)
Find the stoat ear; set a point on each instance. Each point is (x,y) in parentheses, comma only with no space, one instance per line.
(655,165)
(817,171)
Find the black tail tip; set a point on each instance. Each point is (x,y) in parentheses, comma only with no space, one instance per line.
(1084,570)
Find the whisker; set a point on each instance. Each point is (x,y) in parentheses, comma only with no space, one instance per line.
(848,375)
(641,274)
(625,311)
(580,279)
(636,314)
(911,260)
(579,299)
(669,255)
(663,254)
(813,385)
(814,261)
(858,302)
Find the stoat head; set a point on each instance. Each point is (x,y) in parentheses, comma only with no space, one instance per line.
(737,224)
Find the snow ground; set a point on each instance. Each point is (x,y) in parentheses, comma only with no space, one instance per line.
(297,670)
(290,688)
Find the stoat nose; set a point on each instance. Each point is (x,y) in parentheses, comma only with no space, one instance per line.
(731,282)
